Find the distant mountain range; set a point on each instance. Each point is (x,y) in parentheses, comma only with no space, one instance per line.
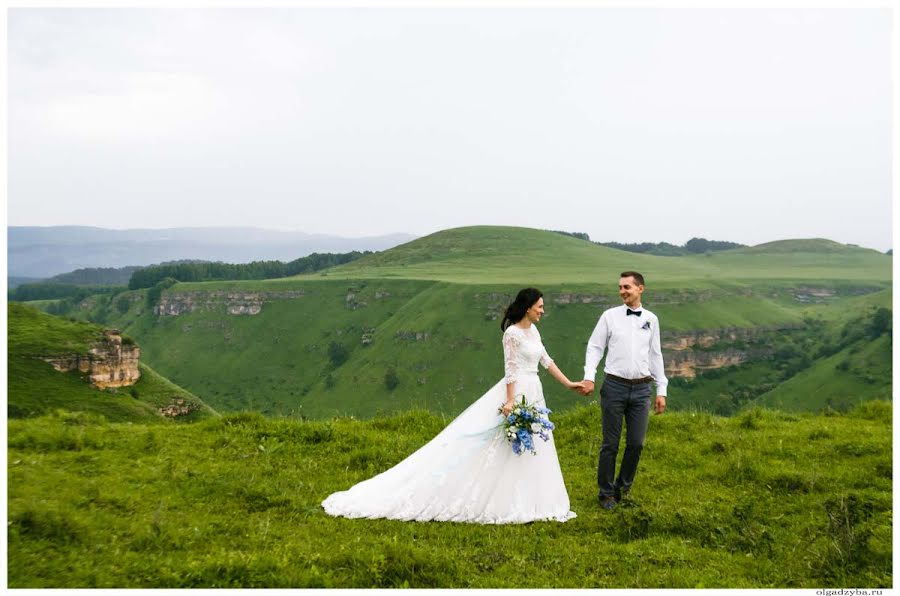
(42,252)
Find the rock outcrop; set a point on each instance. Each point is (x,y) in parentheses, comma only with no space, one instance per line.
(685,354)
(178,407)
(413,335)
(234,303)
(109,363)
(688,363)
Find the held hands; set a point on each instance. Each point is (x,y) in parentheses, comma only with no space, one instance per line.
(586,387)
(578,387)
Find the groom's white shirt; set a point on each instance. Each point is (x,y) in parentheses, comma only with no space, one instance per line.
(633,344)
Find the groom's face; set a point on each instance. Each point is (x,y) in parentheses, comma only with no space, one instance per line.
(630,291)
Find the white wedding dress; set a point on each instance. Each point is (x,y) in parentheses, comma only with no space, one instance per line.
(468,472)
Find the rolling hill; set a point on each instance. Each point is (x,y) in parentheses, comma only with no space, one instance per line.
(737,323)
(493,254)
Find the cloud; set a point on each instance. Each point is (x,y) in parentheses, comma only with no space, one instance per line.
(365,121)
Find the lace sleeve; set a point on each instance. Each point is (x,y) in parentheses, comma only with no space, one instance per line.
(510,356)
(546,360)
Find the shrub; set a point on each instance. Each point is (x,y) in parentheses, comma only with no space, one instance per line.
(881,322)
(123,304)
(391,380)
(337,354)
(155,293)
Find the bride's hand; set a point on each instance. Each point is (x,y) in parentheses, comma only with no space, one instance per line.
(508,407)
(576,386)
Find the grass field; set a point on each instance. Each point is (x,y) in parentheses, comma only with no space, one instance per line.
(760,500)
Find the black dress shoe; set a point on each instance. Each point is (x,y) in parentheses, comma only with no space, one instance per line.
(625,499)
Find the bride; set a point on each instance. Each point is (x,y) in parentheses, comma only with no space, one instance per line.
(468,472)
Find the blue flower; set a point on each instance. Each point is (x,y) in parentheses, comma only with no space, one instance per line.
(526,421)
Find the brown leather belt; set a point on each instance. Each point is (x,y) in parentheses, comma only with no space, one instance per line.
(630,381)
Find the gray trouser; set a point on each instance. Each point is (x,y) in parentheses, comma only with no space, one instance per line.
(617,401)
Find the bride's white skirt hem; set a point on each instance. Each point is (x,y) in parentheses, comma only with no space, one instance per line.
(334,509)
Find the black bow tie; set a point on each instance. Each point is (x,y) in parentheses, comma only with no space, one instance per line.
(629,312)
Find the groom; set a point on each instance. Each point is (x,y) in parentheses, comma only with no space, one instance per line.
(630,333)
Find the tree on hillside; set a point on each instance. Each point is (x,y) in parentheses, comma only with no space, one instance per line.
(337,354)
(662,249)
(208,271)
(155,293)
(53,291)
(579,235)
(701,245)
(97,276)
(391,380)
(665,249)
(881,323)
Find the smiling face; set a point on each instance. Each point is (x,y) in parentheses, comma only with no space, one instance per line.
(536,311)
(630,291)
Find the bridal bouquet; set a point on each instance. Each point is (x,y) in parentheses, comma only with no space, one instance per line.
(523,423)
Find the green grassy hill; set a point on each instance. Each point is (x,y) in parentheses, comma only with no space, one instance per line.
(425,316)
(34,387)
(493,254)
(760,500)
(859,372)
(488,254)
(810,245)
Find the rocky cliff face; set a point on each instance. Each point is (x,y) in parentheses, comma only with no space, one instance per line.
(234,303)
(685,354)
(687,364)
(109,363)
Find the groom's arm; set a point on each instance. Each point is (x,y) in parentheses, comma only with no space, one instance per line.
(658,370)
(594,352)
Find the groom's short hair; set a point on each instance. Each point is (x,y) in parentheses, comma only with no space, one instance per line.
(637,276)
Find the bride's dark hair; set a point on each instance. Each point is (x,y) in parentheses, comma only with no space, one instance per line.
(525,299)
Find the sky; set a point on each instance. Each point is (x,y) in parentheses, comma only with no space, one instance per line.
(631,125)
